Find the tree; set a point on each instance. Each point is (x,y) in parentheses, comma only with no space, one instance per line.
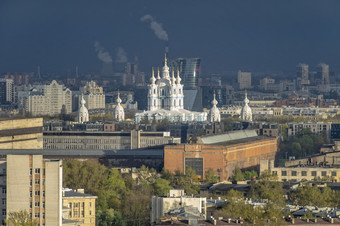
(188,181)
(248,175)
(87,175)
(161,187)
(109,217)
(111,191)
(210,176)
(20,218)
(237,174)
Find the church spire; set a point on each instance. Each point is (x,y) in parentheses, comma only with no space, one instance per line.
(153,79)
(158,76)
(178,79)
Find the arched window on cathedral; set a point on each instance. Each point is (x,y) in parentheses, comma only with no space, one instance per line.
(163,92)
(154,103)
(154,91)
(175,103)
(174,91)
(180,91)
(162,103)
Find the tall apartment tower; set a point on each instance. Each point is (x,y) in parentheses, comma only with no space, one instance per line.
(33,184)
(244,79)
(323,73)
(303,73)
(189,69)
(6,90)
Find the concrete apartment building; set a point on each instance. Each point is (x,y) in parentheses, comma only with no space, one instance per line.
(6,90)
(32,184)
(21,134)
(178,202)
(79,208)
(244,80)
(222,153)
(84,140)
(295,128)
(52,99)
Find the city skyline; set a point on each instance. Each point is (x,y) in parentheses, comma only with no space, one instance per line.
(226,36)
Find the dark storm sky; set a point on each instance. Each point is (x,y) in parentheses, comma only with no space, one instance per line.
(227,35)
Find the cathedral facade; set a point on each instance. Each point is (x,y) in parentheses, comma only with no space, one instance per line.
(166,99)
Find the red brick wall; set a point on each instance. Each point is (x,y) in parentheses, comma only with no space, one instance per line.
(225,158)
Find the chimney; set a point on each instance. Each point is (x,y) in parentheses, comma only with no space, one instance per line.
(80,190)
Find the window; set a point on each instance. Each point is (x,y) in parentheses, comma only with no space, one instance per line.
(90,212)
(4,171)
(31,171)
(90,204)
(333,173)
(304,173)
(37,181)
(43,204)
(37,215)
(283,173)
(31,205)
(76,213)
(37,192)
(3,201)
(43,193)
(76,204)
(294,173)
(4,191)
(30,182)
(30,193)
(323,173)
(275,173)
(4,212)
(313,173)
(36,203)
(37,170)
(83,204)
(43,215)
(82,213)
(44,172)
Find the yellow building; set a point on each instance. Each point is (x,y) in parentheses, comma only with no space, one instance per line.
(79,207)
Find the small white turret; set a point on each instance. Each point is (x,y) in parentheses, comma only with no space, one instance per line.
(118,113)
(83,113)
(214,113)
(246,113)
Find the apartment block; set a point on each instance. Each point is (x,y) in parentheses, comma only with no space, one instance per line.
(33,184)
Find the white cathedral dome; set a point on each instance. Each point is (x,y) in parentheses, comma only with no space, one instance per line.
(83,113)
(214,113)
(246,113)
(118,113)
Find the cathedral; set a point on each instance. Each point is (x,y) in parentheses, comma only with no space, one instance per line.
(166,99)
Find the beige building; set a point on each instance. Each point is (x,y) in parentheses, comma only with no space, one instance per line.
(79,207)
(21,134)
(93,95)
(52,99)
(32,184)
(83,140)
(176,199)
(303,173)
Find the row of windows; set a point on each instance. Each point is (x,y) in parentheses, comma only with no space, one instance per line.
(36,171)
(37,204)
(118,140)
(305,173)
(37,182)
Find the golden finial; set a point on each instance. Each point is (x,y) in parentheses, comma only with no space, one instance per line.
(177,71)
(165,59)
(214,94)
(245,92)
(118,92)
(153,71)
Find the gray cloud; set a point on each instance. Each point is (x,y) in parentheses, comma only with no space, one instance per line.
(156,27)
(102,54)
(121,56)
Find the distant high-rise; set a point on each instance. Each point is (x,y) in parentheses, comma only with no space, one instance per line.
(302,72)
(244,79)
(189,71)
(6,91)
(323,73)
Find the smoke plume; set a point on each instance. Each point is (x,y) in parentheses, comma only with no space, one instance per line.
(121,56)
(102,54)
(156,27)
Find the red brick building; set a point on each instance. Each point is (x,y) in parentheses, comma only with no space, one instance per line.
(245,153)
